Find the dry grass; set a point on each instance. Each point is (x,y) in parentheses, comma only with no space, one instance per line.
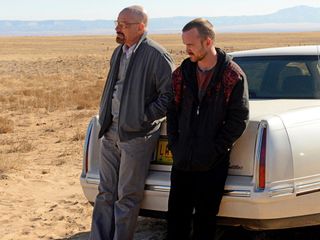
(50,86)
(6,125)
(22,146)
(69,72)
(79,135)
(8,163)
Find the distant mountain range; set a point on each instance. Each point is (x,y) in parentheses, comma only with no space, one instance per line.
(300,18)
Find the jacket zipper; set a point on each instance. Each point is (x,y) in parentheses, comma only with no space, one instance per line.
(198,110)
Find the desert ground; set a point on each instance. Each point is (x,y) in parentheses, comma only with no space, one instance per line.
(49,89)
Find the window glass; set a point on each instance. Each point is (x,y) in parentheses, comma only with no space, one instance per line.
(281,77)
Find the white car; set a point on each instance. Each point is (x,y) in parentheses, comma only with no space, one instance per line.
(274,174)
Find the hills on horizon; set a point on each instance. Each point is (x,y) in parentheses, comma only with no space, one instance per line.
(294,19)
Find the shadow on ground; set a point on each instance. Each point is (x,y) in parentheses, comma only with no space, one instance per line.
(147,229)
(78,236)
(306,233)
(155,229)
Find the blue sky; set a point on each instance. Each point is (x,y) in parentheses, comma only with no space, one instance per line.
(106,9)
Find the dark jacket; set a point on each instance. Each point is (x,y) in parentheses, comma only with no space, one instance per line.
(201,134)
(146,90)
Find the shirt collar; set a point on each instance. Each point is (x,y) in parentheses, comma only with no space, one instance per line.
(134,47)
(128,51)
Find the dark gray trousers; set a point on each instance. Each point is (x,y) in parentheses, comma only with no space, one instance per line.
(123,169)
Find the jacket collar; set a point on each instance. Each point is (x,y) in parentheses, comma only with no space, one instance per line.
(189,70)
(136,45)
(143,37)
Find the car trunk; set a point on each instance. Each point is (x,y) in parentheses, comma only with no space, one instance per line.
(243,152)
(241,159)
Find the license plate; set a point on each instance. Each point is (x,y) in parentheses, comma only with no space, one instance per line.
(163,156)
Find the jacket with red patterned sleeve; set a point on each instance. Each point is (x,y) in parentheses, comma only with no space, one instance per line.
(201,133)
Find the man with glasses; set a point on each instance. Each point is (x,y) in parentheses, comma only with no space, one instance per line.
(132,108)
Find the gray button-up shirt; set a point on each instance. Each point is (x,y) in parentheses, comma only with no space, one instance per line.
(116,97)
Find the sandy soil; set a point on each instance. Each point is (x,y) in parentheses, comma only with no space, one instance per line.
(42,197)
(49,89)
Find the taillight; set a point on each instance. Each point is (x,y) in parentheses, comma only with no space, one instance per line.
(262,160)
(87,164)
(86,148)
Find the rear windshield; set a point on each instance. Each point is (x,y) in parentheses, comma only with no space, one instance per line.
(283,77)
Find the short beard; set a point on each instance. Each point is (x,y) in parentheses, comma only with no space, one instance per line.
(197,58)
(122,39)
(201,57)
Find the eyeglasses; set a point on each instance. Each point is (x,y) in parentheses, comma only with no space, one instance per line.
(124,24)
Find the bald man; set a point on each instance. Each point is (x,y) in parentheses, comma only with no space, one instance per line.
(132,108)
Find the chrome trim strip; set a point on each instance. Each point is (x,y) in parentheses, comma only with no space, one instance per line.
(158,167)
(92,180)
(308,185)
(162,188)
(158,188)
(307,188)
(237,193)
(277,192)
(230,193)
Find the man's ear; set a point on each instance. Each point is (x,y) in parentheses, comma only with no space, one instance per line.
(141,27)
(209,41)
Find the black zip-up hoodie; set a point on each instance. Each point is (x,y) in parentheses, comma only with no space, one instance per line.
(201,134)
